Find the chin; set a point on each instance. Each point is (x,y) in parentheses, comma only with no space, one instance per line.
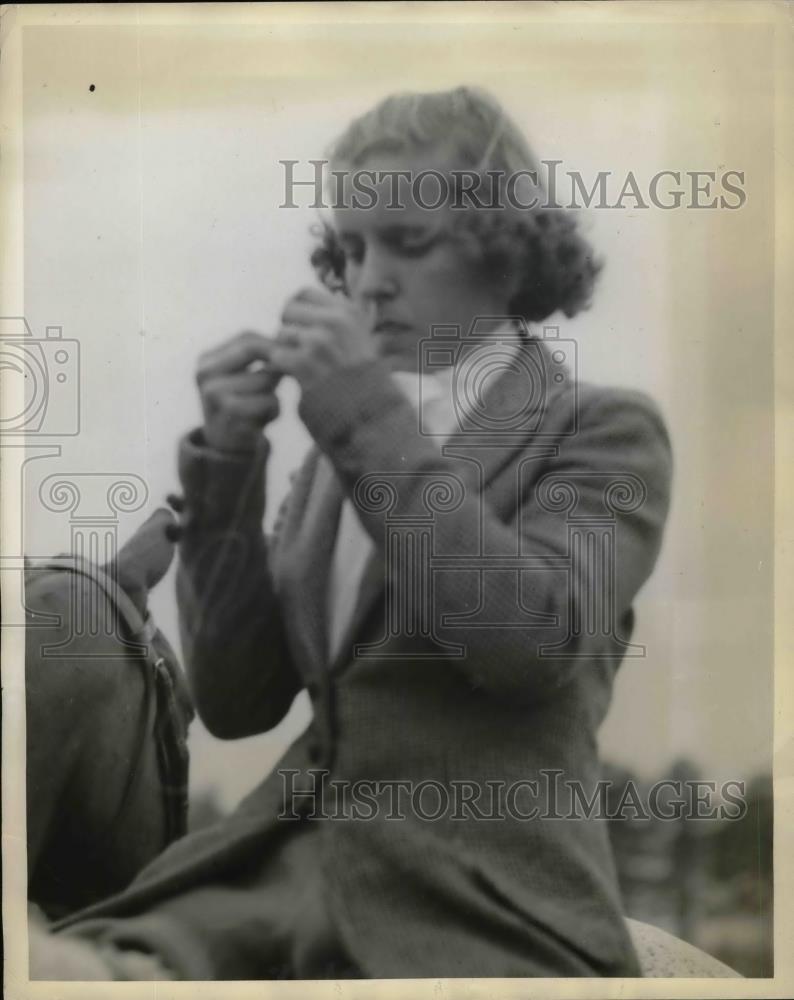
(400,362)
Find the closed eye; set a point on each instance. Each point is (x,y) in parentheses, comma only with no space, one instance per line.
(352,247)
(405,241)
(409,240)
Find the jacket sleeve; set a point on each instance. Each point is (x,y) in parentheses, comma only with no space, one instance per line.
(361,419)
(241,674)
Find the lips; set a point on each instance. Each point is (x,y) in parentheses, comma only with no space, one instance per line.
(389,326)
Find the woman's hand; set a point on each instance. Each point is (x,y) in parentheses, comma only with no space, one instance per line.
(320,332)
(237,402)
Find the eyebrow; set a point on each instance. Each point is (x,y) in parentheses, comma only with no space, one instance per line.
(393,232)
(393,228)
(407,227)
(398,230)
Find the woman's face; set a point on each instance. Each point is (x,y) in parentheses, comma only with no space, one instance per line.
(405,266)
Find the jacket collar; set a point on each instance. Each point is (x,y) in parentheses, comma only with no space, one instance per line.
(305,557)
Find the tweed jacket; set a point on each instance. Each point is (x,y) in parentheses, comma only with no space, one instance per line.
(529,537)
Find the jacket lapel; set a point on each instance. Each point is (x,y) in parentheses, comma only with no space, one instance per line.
(304,560)
(371,593)
(494,452)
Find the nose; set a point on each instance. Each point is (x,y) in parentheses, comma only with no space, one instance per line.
(377,280)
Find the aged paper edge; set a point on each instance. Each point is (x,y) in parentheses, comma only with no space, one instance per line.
(776,13)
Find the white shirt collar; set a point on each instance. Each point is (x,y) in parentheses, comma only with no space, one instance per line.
(434,391)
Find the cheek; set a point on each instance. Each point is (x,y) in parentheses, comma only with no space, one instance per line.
(456,275)
(351,277)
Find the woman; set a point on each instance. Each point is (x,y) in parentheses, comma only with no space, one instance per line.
(425,583)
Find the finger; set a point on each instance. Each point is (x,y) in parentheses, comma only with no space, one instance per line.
(253,408)
(322,296)
(220,389)
(300,339)
(288,336)
(244,383)
(217,401)
(288,358)
(315,294)
(304,317)
(235,355)
(232,359)
(246,337)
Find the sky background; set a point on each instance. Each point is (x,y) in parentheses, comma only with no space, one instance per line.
(153,231)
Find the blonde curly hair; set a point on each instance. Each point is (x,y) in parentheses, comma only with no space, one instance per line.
(544,242)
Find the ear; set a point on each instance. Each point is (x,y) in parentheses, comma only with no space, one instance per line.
(328,261)
(144,560)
